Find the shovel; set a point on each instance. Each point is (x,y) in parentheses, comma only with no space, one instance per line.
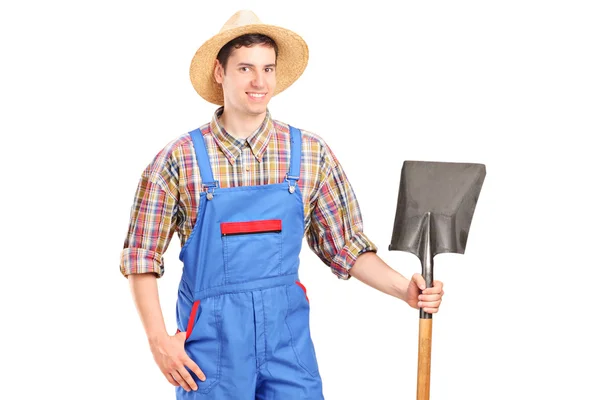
(436,202)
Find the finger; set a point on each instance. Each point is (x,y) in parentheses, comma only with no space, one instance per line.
(181,380)
(437,288)
(435,303)
(170,379)
(429,297)
(189,380)
(429,304)
(195,369)
(420,281)
(431,310)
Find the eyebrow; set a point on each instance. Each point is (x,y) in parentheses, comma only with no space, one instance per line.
(252,65)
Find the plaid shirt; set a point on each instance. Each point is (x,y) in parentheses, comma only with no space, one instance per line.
(168,194)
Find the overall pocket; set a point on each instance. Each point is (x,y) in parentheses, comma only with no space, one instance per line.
(203,342)
(297,320)
(251,249)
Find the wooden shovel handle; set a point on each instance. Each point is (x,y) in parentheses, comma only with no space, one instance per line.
(424,367)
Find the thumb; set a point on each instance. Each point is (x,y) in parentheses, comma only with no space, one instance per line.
(419,281)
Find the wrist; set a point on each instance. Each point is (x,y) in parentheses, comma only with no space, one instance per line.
(156,338)
(400,286)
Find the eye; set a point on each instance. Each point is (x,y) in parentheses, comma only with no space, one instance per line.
(269,69)
(244,69)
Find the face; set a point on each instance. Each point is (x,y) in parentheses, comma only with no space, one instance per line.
(248,80)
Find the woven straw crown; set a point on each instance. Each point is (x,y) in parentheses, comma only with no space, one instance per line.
(291,60)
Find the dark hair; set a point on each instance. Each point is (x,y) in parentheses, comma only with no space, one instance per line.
(247,40)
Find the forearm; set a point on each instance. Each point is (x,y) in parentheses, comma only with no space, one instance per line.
(144,290)
(370,269)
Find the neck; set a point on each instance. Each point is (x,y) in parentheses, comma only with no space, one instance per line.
(241,126)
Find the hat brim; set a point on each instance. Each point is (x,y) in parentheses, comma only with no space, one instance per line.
(292,59)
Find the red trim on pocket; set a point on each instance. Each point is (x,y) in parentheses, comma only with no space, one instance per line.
(304,289)
(268,225)
(192,319)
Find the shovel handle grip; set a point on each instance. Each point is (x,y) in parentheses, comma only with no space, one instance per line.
(426,256)
(424,365)
(428,275)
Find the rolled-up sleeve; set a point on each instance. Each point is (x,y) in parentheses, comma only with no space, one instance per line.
(152,221)
(335,233)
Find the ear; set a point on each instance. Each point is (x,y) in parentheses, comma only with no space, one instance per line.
(219,71)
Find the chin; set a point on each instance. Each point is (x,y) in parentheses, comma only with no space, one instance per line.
(257,110)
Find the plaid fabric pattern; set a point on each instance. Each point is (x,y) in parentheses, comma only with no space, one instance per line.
(167,197)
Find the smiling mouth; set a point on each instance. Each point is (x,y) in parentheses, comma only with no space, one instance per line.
(256,95)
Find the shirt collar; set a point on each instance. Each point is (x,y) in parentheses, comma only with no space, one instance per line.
(232,147)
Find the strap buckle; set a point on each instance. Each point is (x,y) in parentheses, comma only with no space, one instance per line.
(289,179)
(209,188)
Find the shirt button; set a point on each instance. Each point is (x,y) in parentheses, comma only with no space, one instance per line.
(247,168)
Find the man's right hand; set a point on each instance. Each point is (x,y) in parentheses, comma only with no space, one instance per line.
(170,356)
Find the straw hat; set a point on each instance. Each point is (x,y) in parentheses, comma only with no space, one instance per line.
(291,59)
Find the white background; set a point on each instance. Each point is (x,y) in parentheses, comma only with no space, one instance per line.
(91,91)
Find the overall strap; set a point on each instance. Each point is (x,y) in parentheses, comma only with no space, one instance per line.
(296,155)
(202,158)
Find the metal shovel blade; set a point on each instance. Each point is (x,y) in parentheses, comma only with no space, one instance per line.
(436,202)
(436,199)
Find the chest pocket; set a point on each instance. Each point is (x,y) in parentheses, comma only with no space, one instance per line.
(252,249)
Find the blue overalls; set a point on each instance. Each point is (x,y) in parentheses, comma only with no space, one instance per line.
(245,313)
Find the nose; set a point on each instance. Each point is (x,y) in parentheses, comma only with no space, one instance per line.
(259,79)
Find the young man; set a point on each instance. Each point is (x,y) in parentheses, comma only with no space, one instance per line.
(241,192)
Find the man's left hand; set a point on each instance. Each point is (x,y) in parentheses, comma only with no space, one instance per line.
(430,298)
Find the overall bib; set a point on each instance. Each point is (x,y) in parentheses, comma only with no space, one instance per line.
(244,311)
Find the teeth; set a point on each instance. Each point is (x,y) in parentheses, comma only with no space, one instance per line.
(256,94)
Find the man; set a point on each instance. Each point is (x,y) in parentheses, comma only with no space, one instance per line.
(242,192)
